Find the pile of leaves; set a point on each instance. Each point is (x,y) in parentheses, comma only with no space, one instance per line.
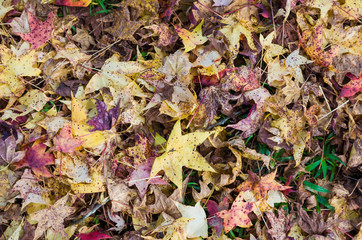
(155,119)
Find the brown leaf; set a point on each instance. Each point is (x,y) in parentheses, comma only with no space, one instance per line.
(311,225)
(279,226)
(53,217)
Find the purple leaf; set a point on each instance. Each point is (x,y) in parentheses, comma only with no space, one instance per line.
(213,220)
(140,177)
(104,119)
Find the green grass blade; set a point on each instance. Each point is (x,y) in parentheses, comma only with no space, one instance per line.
(314,188)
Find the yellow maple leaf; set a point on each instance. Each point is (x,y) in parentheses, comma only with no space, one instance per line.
(180,151)
(191,39)
(81,129)
(234,30)
(16,65)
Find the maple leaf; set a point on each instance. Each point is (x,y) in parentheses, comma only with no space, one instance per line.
(73,3)
(237,215)
(93,236)
(214,220)
(8,151)
(16,64)
(29,188)
(191,39)
(260,187)
(216,97)
(104,120)
(198,226)
(40,31)
(180,151)
(37,159)
(280,225)
(65,142)
(52,217)
(313,45)
(123,28)
(176,65)
(140,177)
(353,86)
(5,7)
(142,7)
(324,6)
(253,121)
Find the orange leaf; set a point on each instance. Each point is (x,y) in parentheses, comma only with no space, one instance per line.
(237,215)
(313,45)
(73,3)
(261,187)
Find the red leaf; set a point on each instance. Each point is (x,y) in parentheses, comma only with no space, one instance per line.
(72,3)
(352,87)
(40,31)
(93,236)
(213,220)
(36,158)
(65,142)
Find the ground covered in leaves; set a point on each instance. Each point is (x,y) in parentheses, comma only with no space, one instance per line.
(155,119)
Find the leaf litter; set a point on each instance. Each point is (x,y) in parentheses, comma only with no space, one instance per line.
(209,119)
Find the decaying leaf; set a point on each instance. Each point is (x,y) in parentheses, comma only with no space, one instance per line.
(52,217)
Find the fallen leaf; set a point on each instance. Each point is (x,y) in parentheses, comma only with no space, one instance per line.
(5,8)
(37,159)
(180,151)
(141,177)
(93,236)
(8,151)
(104,120)
(213,220)
(65,142)
(73,3)
(191,39)
(52,217)
(237,215)
(15,67)
(41,32)
(312,43)
(352,87)
(176,65)
(29,188)
(279,225)
(197,227)
(260,187)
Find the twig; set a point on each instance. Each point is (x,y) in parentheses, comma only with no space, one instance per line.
(333,110)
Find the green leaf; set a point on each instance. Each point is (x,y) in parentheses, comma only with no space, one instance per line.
(324,167)
(314,188)
(325,202)
(312,166)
